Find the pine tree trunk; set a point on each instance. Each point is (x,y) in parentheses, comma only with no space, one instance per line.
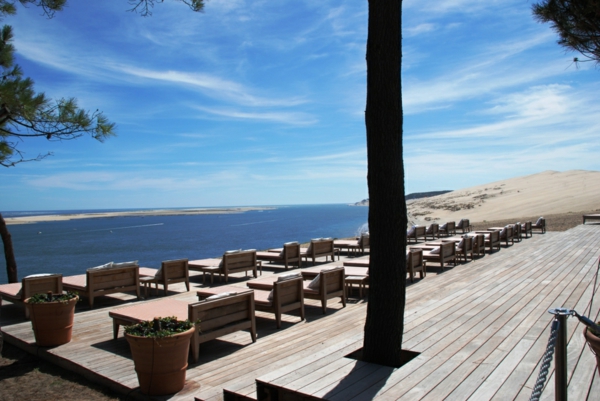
(9,254)
(384,326)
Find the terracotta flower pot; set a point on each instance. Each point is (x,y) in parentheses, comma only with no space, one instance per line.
(161,363)
(594,343)
(52,322)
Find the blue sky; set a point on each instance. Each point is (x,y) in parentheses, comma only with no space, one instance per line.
(262,102)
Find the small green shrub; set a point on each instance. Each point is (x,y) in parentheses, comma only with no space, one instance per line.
(49,297)
(160,327)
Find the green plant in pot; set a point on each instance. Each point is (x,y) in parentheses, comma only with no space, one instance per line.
(160,349)
(52,317)
(593,339)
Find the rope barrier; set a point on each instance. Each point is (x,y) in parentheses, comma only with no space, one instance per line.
(546,360)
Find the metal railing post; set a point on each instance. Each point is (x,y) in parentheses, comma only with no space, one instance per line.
(560,369)
(560,350)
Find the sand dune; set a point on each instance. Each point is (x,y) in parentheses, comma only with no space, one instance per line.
(549,192)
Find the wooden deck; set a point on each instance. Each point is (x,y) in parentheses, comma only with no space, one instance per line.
(481,329)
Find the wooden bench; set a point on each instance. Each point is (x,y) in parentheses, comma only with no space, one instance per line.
(218,317)
(17,293)
(590,217)
(108,279)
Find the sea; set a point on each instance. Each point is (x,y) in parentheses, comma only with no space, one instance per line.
(70,247)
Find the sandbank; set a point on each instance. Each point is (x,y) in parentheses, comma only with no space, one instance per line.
(134,213)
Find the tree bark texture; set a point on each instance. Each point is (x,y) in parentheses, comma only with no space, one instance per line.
(384,325)
(9,254)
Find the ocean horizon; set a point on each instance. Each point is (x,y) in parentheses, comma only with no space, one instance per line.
(71,246)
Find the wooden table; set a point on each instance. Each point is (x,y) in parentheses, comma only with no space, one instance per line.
(147,311)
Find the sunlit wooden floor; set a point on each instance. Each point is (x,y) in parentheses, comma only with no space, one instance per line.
(481,329)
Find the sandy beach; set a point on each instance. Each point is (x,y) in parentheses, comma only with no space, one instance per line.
(521,198)
(135,213)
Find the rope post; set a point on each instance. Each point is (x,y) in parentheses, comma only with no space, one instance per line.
(560,366)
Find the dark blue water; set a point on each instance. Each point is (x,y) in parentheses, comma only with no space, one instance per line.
(70,247)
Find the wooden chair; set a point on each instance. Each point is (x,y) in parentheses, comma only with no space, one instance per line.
(415,263)
(445,253)
(104,280)
(433,230)
(416,232)
(448,228)
(287,295)
(290,253)
(330,283)
(526,229)
(354,246)
(17,293)
(319,248)
(232,262)
(518,233)
(170,272)
(491,239)
(465,247)
(540,224)
(464,225)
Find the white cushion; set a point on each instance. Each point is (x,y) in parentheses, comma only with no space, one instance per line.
(158,274)
(234,251)
(41,275)
(101,267)
(289,276)
(443,226)
(314,284)
(249,250)
(461,243)
(126,264)
(411,231)
(291,243)
(435,250)
(221,295)
(270,296)
(539,221)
